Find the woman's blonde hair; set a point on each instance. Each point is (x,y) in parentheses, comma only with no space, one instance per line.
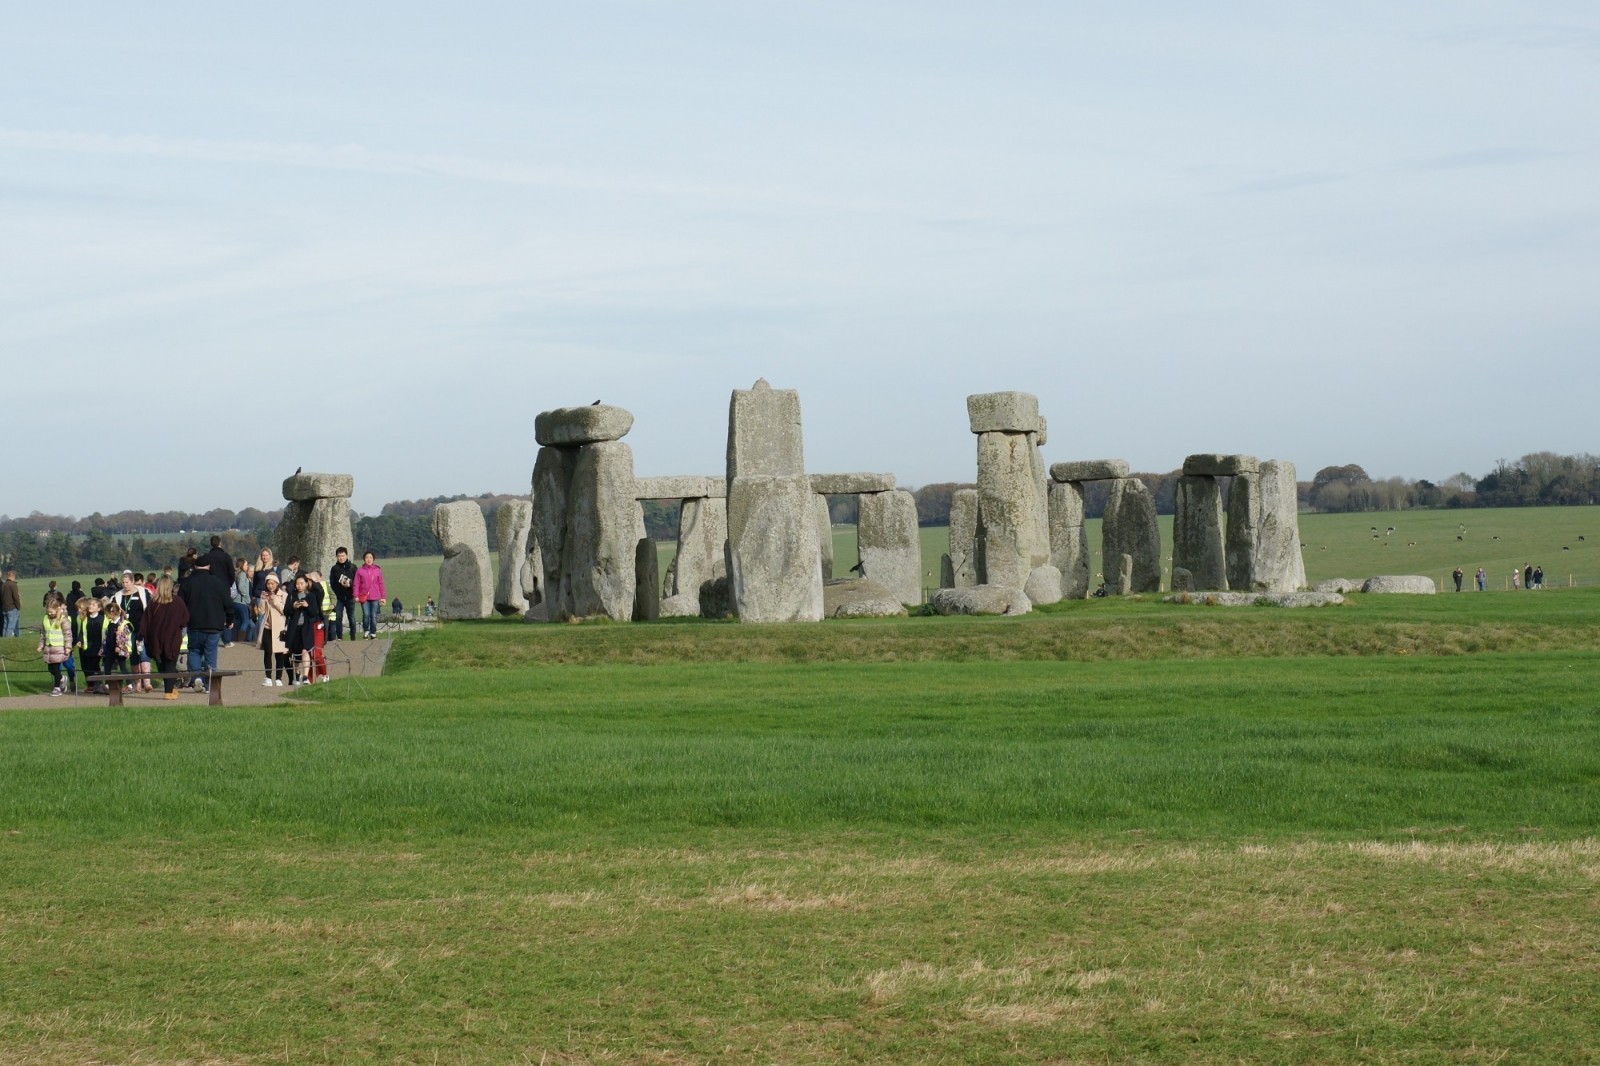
(164,589)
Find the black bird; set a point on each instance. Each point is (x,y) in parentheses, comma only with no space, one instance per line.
(858,569)
(298,469)
(1580,536)
(595,404)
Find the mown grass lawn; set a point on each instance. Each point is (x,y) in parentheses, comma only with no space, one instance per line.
(1121,831)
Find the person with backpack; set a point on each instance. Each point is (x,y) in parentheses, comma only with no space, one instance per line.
(55,644)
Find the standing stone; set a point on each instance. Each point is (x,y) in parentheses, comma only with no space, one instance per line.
(1069,543)
(647,582)
(513,526)
(824,538)
(764,435)
(1197,532)
(773,550)
(552,486)
(1011,500)
(601,535)
(947,572)
(1130,528)
(1124,574)
(1043,586)
(964,541)
(466,585)
(1243,534)
(316,522)
(533,582)
(702,554)
(890,543)
(1280,567)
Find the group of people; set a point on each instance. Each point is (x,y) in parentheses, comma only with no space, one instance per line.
(1530,577)
(214,600)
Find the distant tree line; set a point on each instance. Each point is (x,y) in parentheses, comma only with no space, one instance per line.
(1539,479)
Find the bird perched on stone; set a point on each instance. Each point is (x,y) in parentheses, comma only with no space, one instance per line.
(595,404)
(298,469)
(859,568)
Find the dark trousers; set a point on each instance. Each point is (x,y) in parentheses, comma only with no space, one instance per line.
(167,666)
(343,609)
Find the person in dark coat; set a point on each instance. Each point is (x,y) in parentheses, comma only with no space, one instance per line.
(219,562)
(210,605)
(164,622)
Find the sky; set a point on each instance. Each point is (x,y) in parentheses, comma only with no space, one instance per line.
(378,238)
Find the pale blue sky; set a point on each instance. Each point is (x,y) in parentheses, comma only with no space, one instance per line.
(378,239)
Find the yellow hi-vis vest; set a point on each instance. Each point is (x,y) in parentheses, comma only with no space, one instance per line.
(329,605)
(57,634)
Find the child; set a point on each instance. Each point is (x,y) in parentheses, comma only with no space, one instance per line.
(55,643)
(116,640)
(91,639)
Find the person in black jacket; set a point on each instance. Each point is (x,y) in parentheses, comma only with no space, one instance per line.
(209,607)
(343,579)
(220,562)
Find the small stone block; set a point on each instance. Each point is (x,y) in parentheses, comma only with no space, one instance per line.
(568,427)
(1211,464)
(319,486)
(1004,412)
(849,484)
(1089,470)
(682,487)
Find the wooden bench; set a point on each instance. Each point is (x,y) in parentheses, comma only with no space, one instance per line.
(213,679)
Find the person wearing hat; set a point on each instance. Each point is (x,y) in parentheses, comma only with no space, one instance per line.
(271,638)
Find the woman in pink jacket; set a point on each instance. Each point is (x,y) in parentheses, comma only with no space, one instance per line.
(369,593)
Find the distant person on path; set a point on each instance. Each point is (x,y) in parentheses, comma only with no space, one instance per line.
(164,623)
(1538,577)
(74,594)
(1527,578)
(244,630)
(1516,579)
(1483,579)
(1458,575)
(220,562)
(51,591)
(369,594)
(343,579)
(10,606)
(270,638)
(209,607)
(55,644)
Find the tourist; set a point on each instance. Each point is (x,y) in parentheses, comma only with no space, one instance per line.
(301,622)
(74,594)
(244,631)
(10,606)
(55,643)
(270,637)
(1538,577)
(165,621)
(100,589)
(322,594)
(369,593)
(186,564)
(209,605)
(1516,578)
(51,591)
(1527,578)
(220,562)
(116,640)
(1483,579)
(343,579)
(1458,575)
(91,634)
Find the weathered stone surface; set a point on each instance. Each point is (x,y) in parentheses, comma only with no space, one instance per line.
(309,486)
(889,543)
(1044,586)
(1069,544)
(533,578)
(702,555)
(466,581)
(1130,528)
(773,549)
(552,485)
(716,598)
(859,598)
(646,582)
(819,504)
(1182,580)
(1197,532)
(1254,599)
(1280,565)
(569,427)
(601,537)
(1011,501)
(1124,582)
(1337,584)
(1404,583)
(314,530)
(764,437)
(947,572)
(1243,534)
(1212,464)
(980,599)
(1004,412)
(965,544)
(684,487)
(1089,470)
(513,527)
(849,484)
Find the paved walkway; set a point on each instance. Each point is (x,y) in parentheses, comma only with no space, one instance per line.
(348,662)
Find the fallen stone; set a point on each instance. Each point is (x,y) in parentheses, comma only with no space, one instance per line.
(1337,584)
(1256,599)
(980,599)
(1004,412)
(764,437)
(859,598)
(716,598)
(890,544)
(466,583)
(1212,464)
(966,546)
(1089,470)
(569,427)
(849,484)
(1413,584)
(773,549)
(646,582)
(684,487)
(601,536)
(1131,528)
(1182,580)
(309,486)
(513,525)
(1197,532)
(1044,586)
(1069,544)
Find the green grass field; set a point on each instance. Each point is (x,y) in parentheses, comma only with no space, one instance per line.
(1115,831)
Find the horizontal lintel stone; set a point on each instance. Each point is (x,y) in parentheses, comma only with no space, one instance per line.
(570,427)
(1004,412)
(846,484)
(309,486)
(680,487)
(1090,470)
(1211,464)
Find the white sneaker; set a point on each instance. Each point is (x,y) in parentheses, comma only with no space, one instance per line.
(326,679)
(278,682)
(56,691)
(266,682)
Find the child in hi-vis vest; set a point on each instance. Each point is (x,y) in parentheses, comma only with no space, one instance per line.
(55,644)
